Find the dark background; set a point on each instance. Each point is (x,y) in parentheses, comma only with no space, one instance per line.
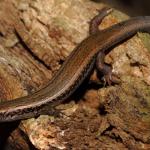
(130,7)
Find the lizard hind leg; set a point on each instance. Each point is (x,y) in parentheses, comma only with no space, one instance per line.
(96,21)
(106,70)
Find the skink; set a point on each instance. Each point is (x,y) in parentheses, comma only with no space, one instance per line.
(75,69)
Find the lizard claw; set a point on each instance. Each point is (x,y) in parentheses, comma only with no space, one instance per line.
(110,79)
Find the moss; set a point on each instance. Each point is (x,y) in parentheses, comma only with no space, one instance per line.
(145,37)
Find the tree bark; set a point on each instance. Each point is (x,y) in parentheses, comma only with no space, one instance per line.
(112,117)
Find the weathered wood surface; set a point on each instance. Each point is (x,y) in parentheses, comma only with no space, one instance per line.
(116,117)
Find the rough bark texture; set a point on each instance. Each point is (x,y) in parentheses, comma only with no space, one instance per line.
(113,117)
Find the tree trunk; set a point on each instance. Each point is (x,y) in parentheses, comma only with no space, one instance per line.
(112,117)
